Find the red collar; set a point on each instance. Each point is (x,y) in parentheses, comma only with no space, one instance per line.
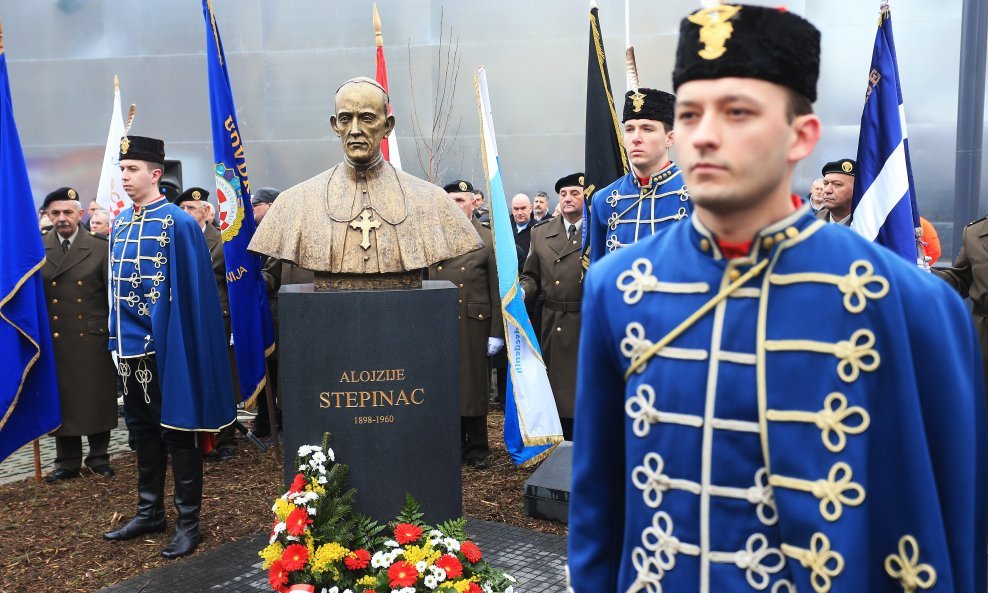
(643,181)
(741,249)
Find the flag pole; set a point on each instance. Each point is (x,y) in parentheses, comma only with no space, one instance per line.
(37,461)
(378,37)
(272,419)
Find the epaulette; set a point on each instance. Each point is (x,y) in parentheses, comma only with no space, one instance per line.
(974,222)
(544,221)
(485,224)
(44,232)
(99,236)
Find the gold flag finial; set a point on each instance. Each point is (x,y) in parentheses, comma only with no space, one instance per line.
(377,28)
(116,84)
(130,117)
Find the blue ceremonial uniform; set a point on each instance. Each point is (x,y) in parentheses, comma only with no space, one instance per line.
(762,450)
(626,212)
(165,305)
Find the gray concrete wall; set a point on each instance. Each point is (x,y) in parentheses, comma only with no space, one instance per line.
(287,57)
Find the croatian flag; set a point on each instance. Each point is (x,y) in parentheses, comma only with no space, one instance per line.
(531,422)
(884,193)
(109,193)
(250,317)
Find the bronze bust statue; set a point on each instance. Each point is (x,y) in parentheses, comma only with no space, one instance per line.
(364,224)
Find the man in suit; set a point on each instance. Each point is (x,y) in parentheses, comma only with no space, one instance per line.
(74,273)
(481,329)
(540,208)
(194,201)
(553,271)
(521,215)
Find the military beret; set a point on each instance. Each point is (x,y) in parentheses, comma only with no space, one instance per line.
(649,104)
(60,194)
(142,148)
(265,195)
(193,194)
(739,40)
(457,186)
(570,180)
(845,166)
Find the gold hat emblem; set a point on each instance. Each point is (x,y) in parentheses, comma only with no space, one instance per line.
(124,145)
(464,186)
(72,194)
(581,179)
(637,101)
(847,166)
(196,195)
(715,29)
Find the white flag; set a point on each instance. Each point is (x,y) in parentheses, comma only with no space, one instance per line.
(110,194)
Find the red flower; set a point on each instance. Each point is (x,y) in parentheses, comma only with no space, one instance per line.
(451,565)
(357,559)
(294,557)
(471,551)
(299,484)
(406,533)
(474,588)
(278,576)
(297,521)
(402,574)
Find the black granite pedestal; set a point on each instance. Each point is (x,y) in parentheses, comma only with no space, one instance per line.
(380,371)
(547,490)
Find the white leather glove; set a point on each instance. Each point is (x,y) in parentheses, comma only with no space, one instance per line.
(494,345)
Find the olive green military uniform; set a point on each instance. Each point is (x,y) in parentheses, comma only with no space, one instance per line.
(76,297)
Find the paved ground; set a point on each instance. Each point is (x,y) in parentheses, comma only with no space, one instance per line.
(535,559)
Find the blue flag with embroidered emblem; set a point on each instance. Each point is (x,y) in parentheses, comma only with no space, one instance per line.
(884,193)
(250,317)
(531,422)
(29,405)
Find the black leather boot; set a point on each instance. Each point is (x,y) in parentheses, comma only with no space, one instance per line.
(187,468)
(150,518)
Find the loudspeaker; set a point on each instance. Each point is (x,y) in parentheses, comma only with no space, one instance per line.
(171,180)
(547,490)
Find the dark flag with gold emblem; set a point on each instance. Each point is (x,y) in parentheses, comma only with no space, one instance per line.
(604,156)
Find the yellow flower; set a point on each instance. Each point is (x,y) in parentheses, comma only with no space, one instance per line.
(310,545)
(327,554)
(414,554)
(270,554)
(368,581)
(282,508)
(315,487)
(461,585)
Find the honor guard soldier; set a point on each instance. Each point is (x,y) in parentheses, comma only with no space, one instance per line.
(724,442)
(653,194)
(194,201)
(481,329)
(553,271)
(74,273)
(838,189)
(167,330)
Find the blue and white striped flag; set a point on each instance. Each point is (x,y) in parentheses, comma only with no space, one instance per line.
(884,193)
(531,422)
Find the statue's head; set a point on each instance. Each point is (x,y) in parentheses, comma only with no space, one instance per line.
(361,119)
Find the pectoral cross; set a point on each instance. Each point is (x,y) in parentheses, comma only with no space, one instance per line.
(365,226)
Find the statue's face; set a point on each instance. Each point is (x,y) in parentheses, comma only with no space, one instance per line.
(361,121)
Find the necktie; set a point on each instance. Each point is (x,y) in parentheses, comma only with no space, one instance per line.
(65,245)
(570,230)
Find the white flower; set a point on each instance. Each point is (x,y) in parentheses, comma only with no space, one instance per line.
(487,588)
(332,456)
(378,560)
(391,543)
(439,573)
(510,578)
(421,565)
(406,590)
(432,582)
(451,544)
(318,457)
(311,511)
(306,449)
(279,527)
(510,589)
(321,480)
(333,590)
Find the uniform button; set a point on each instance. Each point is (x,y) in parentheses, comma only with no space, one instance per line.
(768,242)
(54,301)
(792,232)
(780,237)
(79,301)
(461,286)
(460,301)
(102,330)
(574,242)
(459,317)
(440,268)
(733,274)
(559,329)
(557,282)
(557,261)
(82,335)
(53,283)
(80,317)
(463,269)
(54,335)
(79,283)
(704,245)
(55,318)
(480,316)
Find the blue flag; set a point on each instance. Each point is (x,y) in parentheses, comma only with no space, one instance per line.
(531,422)
(250,317)
(884,193)
(29,405)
